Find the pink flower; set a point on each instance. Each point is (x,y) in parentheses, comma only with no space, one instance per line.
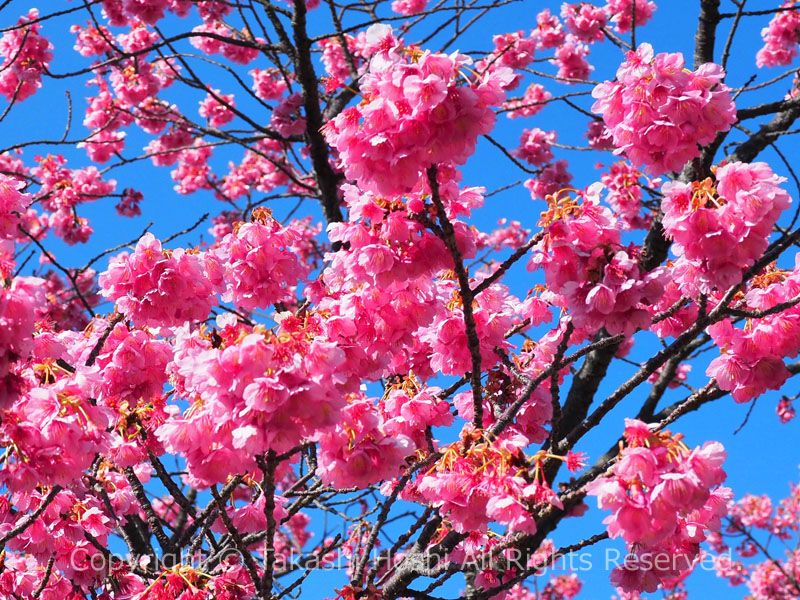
(664,501)
(620,13)
(158,288)
(258,261)
(409,7)
(553,177)
(217,113)
(26,55)
(416,115)
(660,113)
(585,21)
(13,203)
(600,283)
(535,146)
(571,60)
(359,451)
(534,100)
(720,230)
(780,38)
(548,33)
(268,84)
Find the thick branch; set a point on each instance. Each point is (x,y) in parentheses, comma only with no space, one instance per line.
(318,149)
(706,34)
(449,238)
(781,122)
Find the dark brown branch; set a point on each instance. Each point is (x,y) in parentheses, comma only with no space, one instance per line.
(448,236)
(237,540)
(706,34)
(781,122)
(268,466)
(327,179)
(29,520)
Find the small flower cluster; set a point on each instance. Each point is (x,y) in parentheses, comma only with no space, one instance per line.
(534,100)
(780,37)
(158,288)
(598,135)
(133,366)
(598,280)
(414,115)
(751,358)
(359,451)
(409,7)
(785,411)
(552,178)
(26,55)
(241,54)
(217,113)
(681,319)
(535,146)
(625,193)
(261,171)
(256,264)
(664,499)
(659,113)
(494,313)
(378,289)
(570,58)
(752,517)
(251,390)
(549,32)
(54,434)
(268,84)
(477,481)
(408,408)
(512,50)
(720,227)
(334,58)
(508,234)
(18,303)
(585,21)
(62,308)
(621,14)
(13,203)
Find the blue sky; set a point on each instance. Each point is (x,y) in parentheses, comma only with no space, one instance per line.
(762,457)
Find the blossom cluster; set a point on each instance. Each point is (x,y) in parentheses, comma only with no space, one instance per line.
(751,357)
(780,37)
(26,55)
(664,498)
(415,115)
(158,288)
(587,267)
(721,226)
(659,113)
(625,193)
(18,304)
(256,263)
(360,451)
(63,189)
(621,13)
(477,481)
(251,391)
(379,289)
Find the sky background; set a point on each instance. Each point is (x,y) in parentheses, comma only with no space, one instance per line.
(763,456)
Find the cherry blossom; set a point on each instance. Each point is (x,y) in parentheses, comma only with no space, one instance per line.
(649,115)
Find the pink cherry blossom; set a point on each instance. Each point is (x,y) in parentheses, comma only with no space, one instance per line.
(658,112)
(157,287)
